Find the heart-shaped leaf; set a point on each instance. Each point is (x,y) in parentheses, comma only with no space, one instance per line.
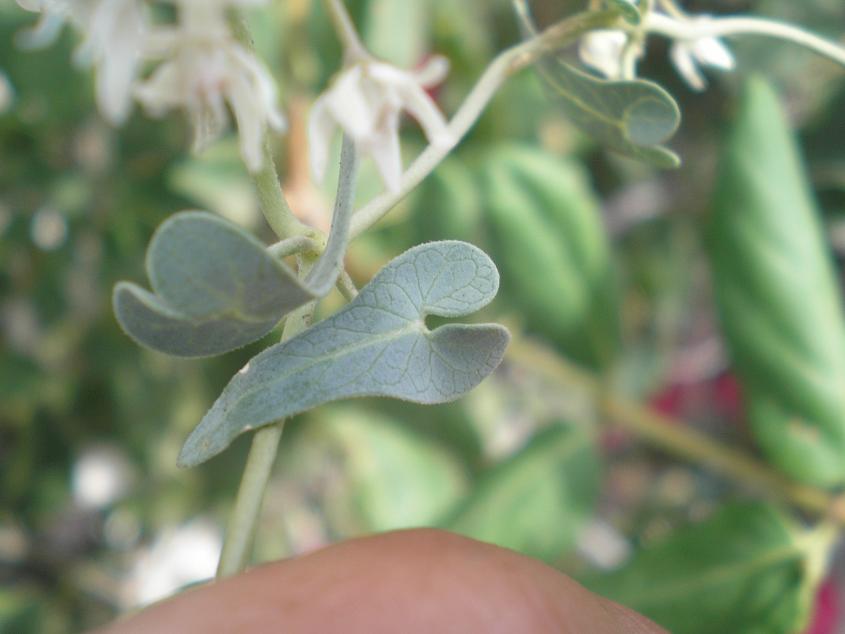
(630,117)
(215,286)
(377,345)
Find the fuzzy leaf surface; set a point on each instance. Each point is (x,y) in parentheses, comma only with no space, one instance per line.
(377,345)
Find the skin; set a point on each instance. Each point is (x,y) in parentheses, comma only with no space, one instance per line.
(411,581)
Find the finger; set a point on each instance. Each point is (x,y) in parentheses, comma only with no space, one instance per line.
(411,581)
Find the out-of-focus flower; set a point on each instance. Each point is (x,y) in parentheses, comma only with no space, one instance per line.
(602,49)
(114,34)
(7,93)
(204,70)
(688,55)
(365,100)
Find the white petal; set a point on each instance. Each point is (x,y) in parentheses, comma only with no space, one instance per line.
(348,102)
(684,61)
(712,52)
(417,102)
(321,127)
(163,90)
(386,153)
(250,119)
(601,50)
(264,87)
(44,33)
(433,72)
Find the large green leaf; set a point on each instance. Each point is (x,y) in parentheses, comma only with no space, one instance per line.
(388,476)
(747,569)
(215,286)
(377,345)
(550,244)
(536,501)
(632,117)
(778,295)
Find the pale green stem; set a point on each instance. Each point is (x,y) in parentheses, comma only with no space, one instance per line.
(353,48)
(346,286)
(500,69)
(292,246)
(742,25)
(675,437)
(243,520)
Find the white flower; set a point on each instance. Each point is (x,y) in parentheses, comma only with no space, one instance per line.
(114,32)
(365,100)
(602,49)
(688,55)
(205,71)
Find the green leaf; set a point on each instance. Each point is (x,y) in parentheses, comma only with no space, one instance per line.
(627,9)
(630,117)
(215,289)
(778,295)
(543,217)
(746,569)
(536,501)
(389,476)
(215,286)
(377,345)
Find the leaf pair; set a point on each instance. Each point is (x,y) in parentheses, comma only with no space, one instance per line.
(377,345)
(215,286)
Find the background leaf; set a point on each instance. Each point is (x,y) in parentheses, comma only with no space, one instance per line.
(746,569)
(777,293)
(536,501)
(551,246)
(377,345)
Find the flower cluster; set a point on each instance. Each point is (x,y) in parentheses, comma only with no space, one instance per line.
(603,51)
(198,65)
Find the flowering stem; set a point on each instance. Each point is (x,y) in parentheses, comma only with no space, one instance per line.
(506,64)
(742,25)
(675,437)
(345,29)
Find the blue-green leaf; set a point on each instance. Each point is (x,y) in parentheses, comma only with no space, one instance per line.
(630,117)
(215,286)
(377,345)
(215,289)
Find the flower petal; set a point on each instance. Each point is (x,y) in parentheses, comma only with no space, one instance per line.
(684,61)
(385,150)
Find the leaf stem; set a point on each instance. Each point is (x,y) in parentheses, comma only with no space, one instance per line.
(240,530)
(675,437)
(506,64)
(353,48)
(701,26)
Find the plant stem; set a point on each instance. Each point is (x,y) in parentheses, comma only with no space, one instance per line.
(353,48)
(675,437)
(716,27)
(259,465)
(500,69)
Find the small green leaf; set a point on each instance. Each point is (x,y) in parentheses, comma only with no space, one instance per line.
(778,295)
(628,9)
(215,286)
(630,117)
(537,500)
(215,289)
(747,569)
(377,345)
